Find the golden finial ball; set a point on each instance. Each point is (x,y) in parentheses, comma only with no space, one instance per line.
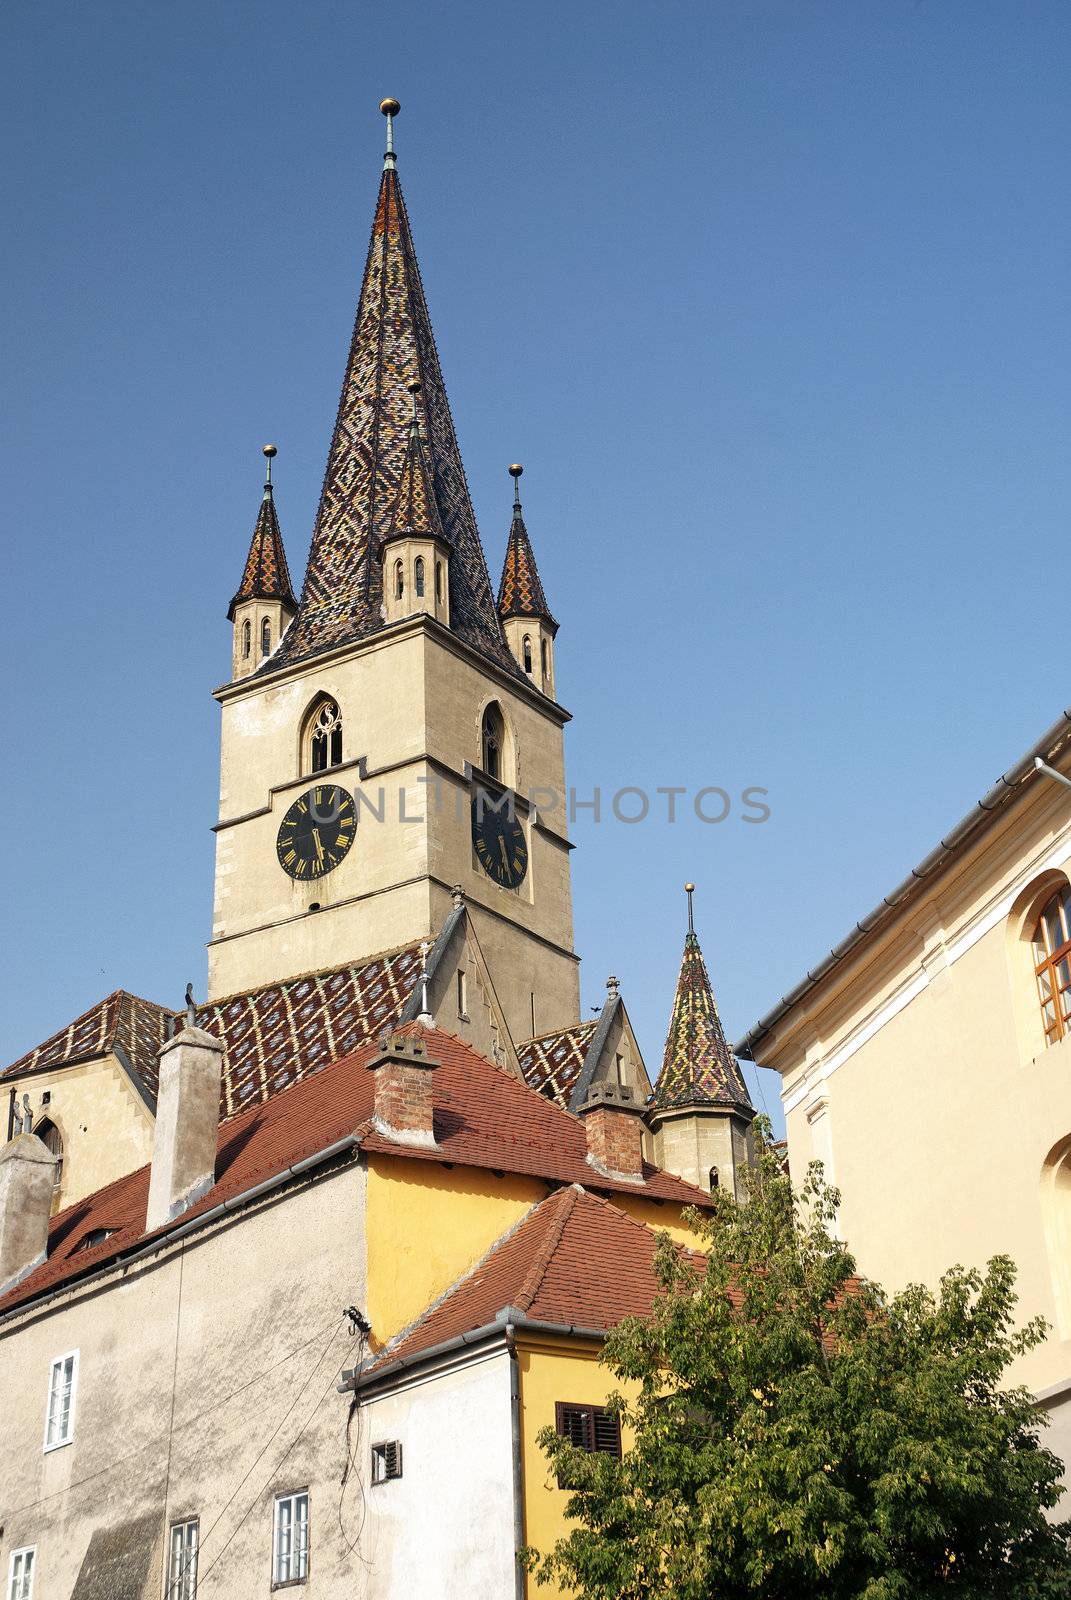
(515,469)
(689,888)
(270,450)
(389,108)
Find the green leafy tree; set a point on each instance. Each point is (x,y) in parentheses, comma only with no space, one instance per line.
(794,1432)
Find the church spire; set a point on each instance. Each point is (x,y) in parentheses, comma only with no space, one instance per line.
(392,347)
(698,1068)
(526,618)
(266,575)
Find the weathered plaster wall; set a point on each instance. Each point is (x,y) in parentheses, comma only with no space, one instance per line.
(105,1125)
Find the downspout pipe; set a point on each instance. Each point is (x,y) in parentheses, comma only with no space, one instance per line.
(520,1577)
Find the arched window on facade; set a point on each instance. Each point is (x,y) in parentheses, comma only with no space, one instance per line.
(713,1179)
(323,738)
(418,577)
(52,1139)
(493,742)
(265,638)
(526,651)
(399,580)
(543,658)
(1056,1217)
(439,582)
(1052,964)
(247,638)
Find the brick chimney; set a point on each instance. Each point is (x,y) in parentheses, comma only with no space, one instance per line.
(187,1122)
(613,1122)
(26,1173)
(403,1108)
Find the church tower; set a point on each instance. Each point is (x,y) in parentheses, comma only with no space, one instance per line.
(701,1112)
(383,751)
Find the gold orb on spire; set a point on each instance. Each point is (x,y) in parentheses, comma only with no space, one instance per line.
(270,450)
(389,108)
(689,888)
(515,469)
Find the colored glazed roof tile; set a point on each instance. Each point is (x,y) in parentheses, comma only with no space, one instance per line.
(392,346)
(120,1023)
(520,594)
(698,1068)
(552,1064)
(415,511)
(484,1117)
(266,575)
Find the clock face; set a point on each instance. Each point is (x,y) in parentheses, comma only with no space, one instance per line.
(501,847)
(316,832)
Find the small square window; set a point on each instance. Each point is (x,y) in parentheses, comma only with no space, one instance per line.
(290,1553)
(386,1461)
(182,1566)
(20,1573)
(62,1387)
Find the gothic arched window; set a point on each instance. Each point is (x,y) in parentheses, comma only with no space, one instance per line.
(526,649)
(1052,964)
(52,1139)
(439,582)
(493,741)
(543,658)
(418,577)
(265,638)
(713,1179)
(323,737)
(399,580)
(247,638)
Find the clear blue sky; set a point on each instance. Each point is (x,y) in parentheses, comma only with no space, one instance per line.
(771,299)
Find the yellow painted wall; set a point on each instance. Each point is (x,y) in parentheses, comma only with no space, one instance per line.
(664,1218)
(553,1370)
(105,1125)
(428,1224)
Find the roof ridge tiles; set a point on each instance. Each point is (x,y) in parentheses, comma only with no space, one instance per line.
(541,1260)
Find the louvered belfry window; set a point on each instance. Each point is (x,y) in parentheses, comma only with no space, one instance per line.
(590,1428)
(386,1461)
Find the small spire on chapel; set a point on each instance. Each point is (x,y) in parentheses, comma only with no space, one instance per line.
(698,1068)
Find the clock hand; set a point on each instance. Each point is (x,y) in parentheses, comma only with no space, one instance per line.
(502,852)
(319,846)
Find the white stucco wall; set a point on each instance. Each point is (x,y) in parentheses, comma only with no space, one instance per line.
(445,1528)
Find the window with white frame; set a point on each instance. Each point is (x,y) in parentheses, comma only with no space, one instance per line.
(62,1383)
(182,1568)
(20,1573)
(290,1562)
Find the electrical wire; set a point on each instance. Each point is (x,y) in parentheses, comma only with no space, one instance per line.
(215,1407)
(202,1577)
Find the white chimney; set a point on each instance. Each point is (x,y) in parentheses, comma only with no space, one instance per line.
(187,1123)
(26,1174)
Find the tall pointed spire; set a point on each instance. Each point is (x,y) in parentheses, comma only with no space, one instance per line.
(520,594)
(415,510)
(698,1068)
(266,575)
(392,346)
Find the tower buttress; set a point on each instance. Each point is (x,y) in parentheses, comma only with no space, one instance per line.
(527,622)
(264,605)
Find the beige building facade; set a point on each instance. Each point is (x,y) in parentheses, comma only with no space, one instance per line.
(927,1064)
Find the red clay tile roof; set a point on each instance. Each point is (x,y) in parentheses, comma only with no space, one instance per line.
(266,575)
(484,1117)
(574,1260)
(553,1062)
(520,593)
(138,1027)
(392,346)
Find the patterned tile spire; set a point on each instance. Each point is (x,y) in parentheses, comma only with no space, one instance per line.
(698,1068)
(520,594)
(266,575)
(415,510)
(392,346)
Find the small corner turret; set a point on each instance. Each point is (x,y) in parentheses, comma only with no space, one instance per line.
(414,552)
(701,1113)
(264,605)
(522,605)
